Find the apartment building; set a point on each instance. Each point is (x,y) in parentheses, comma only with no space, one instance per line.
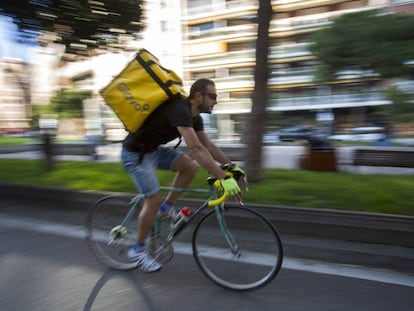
(15,112)
(219,43)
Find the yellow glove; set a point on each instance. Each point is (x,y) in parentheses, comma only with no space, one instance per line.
(230,186)
(237,173)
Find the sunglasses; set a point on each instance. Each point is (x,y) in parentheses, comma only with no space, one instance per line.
(211,96)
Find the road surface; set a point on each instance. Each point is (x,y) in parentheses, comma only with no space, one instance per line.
(46,265)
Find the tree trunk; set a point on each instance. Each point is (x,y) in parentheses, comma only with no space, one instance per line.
(256,120)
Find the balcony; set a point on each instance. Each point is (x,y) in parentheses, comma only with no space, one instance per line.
(233,83)
(289,76)
(299,23)
(219,60)
(233,105)
(329,101)
(225,8)
(220,32)
(290,50)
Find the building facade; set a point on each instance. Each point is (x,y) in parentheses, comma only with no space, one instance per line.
(15,111)
(219,43)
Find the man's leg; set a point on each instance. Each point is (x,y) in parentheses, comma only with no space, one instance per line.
(143,172)
(147,215)
(139,252)
(186,169)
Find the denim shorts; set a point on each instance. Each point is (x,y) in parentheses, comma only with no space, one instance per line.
(144,173)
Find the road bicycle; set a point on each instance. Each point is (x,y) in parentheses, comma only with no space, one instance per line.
(234,246)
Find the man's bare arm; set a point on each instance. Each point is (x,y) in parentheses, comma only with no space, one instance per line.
(215,151)
(200,153)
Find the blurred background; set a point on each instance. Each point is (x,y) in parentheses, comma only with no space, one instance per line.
(55,56)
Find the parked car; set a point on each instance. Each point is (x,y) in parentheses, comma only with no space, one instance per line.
(271,137)
(300,132)
(361,134)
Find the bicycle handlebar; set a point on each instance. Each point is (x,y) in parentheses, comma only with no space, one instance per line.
(216,183)
(218,201)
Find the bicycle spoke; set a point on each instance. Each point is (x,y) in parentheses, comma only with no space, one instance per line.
(240,250)
(107,239)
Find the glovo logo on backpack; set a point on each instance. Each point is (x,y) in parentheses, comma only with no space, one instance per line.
(123,88)
(141,87)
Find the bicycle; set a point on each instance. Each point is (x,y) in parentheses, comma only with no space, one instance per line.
(234,246)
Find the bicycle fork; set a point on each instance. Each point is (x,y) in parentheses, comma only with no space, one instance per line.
(234,247)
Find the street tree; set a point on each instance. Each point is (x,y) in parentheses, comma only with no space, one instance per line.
(368,41)
(68,104)
(256,119)
(80,25)
(373,42)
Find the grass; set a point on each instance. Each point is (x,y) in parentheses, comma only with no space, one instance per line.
(16,141)
(391,194)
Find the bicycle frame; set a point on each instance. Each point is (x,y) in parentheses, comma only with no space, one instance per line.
(210,202)
(217,234)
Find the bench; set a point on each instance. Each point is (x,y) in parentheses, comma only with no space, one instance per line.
(68,148)
(78,148)
(386,157)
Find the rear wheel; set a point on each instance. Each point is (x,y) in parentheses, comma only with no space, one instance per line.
(107,239)
(243,251)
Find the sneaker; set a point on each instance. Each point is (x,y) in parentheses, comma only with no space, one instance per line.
(168,214)
(145,261)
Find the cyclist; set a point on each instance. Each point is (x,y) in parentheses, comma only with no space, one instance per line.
(142,154)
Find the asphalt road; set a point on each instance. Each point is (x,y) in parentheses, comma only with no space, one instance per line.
(45,265)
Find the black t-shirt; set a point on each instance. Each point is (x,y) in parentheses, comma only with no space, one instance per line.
(161,127)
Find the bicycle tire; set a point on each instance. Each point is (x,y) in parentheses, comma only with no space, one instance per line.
(107,214)
(260,249)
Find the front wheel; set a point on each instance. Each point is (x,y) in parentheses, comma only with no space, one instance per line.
(237,248)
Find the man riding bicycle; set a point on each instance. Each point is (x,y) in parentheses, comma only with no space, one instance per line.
(142,154)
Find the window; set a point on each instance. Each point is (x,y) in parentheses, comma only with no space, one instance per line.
(164,26)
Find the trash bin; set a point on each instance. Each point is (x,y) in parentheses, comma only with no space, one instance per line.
(319,155)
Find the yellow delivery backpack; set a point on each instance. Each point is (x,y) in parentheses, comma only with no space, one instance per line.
(141,87)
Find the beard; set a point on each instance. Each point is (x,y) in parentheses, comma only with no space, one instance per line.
(204,108)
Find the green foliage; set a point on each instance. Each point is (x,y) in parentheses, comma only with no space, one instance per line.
(37,112)
(402,109)
(68,104)
(365,40)
(372,193)
(15,141)
(79,25)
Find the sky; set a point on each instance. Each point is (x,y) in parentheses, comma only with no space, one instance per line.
(8,46)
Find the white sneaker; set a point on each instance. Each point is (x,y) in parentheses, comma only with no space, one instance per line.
(168,214)
(145,261)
